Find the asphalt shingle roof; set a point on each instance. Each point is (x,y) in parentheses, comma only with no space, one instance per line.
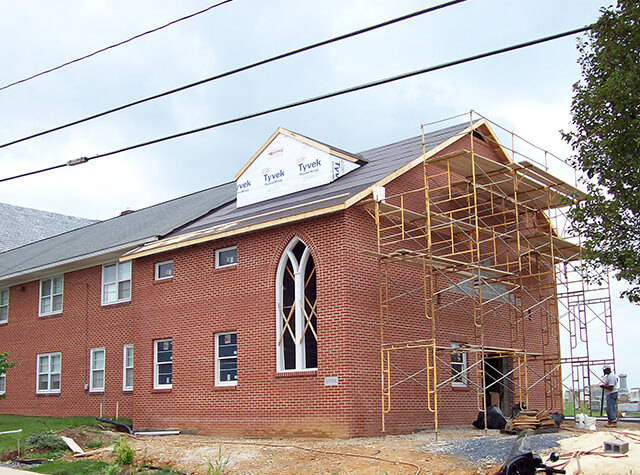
(210,208)
(22,226)
(129,230)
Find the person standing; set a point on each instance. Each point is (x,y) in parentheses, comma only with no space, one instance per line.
(610,387)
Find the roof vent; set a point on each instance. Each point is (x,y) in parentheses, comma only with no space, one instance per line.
(126,211)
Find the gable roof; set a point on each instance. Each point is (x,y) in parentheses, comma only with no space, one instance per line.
(108,239)
(22,226)
(211,214)
(381,165)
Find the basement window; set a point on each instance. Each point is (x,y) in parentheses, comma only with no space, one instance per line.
(51,291)
(49,368)
(116,282)
(296,312)
(164,270)
(4,305)
(226,257)
(227,359)
(96,382)
(3,382)
(458,366)
(162,364)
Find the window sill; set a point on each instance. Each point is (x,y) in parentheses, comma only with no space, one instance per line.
(233,387)
(127,391)
(119,302)
(4,323)
(166,280)
(47,394)
(460,388)
(97,392)
(161,390)
(50,315)
(298,374)
(228,268)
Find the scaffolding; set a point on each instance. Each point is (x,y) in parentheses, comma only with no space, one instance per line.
(482,236)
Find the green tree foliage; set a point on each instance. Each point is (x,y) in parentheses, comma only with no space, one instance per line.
(606,144)
(4,365)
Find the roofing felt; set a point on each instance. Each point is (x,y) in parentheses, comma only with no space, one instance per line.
(380,163)
(22,226)
(131,229)
(211,208)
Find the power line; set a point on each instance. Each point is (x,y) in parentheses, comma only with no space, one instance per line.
(113,45)
(292,105)
(240,69)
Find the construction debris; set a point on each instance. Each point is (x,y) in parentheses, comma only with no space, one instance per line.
(75,448)
(532,420)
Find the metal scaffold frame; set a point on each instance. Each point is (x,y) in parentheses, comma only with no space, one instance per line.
(484,233)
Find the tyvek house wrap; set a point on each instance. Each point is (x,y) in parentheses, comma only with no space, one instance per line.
(285,166)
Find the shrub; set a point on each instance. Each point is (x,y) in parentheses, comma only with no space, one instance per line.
(45,440)
(123,451)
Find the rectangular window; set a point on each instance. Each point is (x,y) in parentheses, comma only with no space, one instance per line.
(4,305)
(51,296)
(116,282)
(96,383)
(49,366)
(164,270)
(227,257)
(3,379)
(226,359)
(458,366)
(162,364)
(127,368)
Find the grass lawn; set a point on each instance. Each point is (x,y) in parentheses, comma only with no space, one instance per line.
(89,467)
(31,425)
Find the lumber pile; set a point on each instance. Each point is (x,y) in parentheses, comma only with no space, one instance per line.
(531,419)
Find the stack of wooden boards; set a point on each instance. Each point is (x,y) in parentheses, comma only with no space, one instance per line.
(531,419)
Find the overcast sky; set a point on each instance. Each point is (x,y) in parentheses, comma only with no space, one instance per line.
(528,91)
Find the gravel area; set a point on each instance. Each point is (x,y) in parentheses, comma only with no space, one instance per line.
(494,449)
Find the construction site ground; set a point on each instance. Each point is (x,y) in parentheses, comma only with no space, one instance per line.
(457,451)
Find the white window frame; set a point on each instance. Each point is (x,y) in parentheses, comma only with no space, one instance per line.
(462,364)
(49,373)
(4,306)
(156,365)
(157,270)
(219,251)
(126,367)
(117,282)
(93,370)
(219,358)
(3,383)
(299,269)
(50,296)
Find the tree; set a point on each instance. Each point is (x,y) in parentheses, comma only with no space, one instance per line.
(606,144)
(4,365)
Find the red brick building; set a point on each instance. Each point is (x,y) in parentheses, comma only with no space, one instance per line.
(263,306)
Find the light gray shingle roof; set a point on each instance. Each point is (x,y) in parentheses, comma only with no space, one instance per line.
(22,226)
(122,232)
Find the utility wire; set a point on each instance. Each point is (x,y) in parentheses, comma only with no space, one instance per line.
(291,105)
(113,45)
(240,69)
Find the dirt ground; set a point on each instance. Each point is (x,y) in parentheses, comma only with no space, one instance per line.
(402,454)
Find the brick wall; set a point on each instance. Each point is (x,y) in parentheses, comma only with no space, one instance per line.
(200,301)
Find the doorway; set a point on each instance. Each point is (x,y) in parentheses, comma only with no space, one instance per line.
(497,389)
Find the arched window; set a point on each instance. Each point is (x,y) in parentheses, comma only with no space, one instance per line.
(296,337)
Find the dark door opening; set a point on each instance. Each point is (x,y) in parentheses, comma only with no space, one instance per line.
(497,389)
